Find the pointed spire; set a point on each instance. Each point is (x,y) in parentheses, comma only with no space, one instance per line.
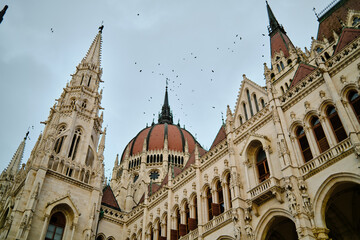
(165,116)
(279,41)
(93,56)
(274,24)
(14,165)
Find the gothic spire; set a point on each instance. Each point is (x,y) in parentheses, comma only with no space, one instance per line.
(93,55)
(14,164)
(279,41)
(274,24)
(166,116)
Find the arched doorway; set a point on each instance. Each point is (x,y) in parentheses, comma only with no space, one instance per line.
(342,212)
(281,228)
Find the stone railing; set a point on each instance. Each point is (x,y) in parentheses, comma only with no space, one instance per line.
(113,214)
(325,159)
(218,220)
(192,235)
(71,169)
(264,190)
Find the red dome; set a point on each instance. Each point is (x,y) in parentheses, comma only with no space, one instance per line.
(155,136)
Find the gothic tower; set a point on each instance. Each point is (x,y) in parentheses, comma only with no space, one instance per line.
(59,190)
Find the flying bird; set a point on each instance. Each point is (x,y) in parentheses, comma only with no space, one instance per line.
(52,30)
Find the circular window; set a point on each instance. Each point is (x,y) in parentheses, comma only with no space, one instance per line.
(154,175)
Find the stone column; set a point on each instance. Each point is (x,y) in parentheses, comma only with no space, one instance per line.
(312,141)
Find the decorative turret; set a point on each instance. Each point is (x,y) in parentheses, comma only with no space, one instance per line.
(14,164)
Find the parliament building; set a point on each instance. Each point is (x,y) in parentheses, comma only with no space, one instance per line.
(285,164)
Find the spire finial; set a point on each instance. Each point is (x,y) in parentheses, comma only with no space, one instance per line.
(274,24)
(166,116)
(93,56)
(101,27)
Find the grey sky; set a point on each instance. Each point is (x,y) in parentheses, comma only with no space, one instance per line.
(35,63)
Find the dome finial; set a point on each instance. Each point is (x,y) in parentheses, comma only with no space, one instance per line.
(166,116)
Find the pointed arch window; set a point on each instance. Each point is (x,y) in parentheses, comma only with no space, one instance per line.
(82,79)
(60,140)
(178,222)
(209,203)
(245,112)
(192,220)
(75,143)
(354,100)
(319,134)
(89,81)
(304,144)
(336,124)
(256,103)
(220,194)
(56,227)
(249,100)
(187,216)
(262,103)
(262,165)
(89,157)
(282,65)
(84,104)
(72,102)
(228,189)
(278,68)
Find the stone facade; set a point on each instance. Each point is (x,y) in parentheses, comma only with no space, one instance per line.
(284,165)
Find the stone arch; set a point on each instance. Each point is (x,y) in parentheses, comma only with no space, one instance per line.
(224,175)
(225,237)
(183,202)
(100,236)
(111,238)
(323,194)
(346,89)
(309,115)
(294,125)
(324,104)
(214,182)
(252,137)
(266,220)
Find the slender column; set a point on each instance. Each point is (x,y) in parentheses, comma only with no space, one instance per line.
(73,231)
(329,136)
(43,231)
(225,187)
(312,142)
(267,152)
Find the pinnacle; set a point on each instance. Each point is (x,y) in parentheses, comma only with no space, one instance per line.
(93,56)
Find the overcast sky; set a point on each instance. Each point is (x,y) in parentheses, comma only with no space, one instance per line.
(203,46)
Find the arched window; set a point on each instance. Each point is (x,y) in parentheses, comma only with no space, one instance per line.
(209,203)
(327,56)
(278,68)
(262,165)
(178,222)
(83,105)
(304,144)
(148,159)
(356,20)
(72,102)
(245,112)
(336,124)
(289,61)
(240,119)
(262,103)
(192,221)
(256,103)
(100,237)
(319,134)
(187,216)
(151,231)
(287,86)
(354,100)
(89,157)
(282,65)
(82,79)
(282,89)
(75,143)
(89,81)
(228,189)
(219,191)
(56,227)
(60,140)
(249,100)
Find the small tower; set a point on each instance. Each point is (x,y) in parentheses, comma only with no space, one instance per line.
(66,164)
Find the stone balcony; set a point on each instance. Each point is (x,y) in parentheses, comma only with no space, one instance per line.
(218,222)
(327,158)
(264,191)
